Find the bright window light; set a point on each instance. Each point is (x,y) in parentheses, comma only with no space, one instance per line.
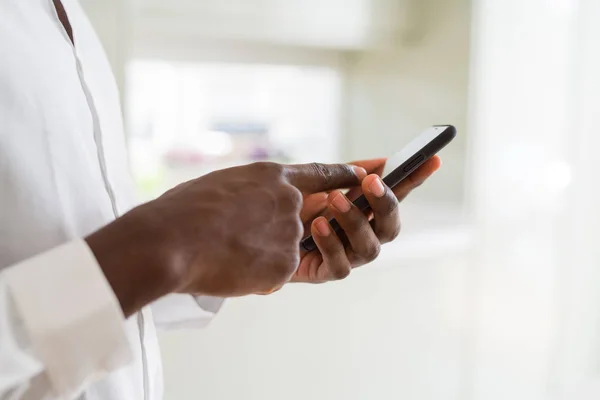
(187,119)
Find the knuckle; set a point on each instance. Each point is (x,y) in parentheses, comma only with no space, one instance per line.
(269,168)
(341,272)
(295,229)
(394,235)
(299,228)
(391,204)
(396,231)
(391,231)
(292,195)
(372,252)
(322,171)
(279,271)
(288,266)
(288,233)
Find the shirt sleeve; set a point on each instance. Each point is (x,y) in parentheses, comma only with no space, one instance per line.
(182,311)
(59,318)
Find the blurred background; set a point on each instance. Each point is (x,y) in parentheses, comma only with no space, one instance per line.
(492,290)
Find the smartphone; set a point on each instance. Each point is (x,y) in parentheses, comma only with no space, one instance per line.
(399,166)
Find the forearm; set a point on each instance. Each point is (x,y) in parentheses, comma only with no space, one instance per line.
(139,264)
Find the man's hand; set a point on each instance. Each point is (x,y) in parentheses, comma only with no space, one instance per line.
(229,233)
(365,233)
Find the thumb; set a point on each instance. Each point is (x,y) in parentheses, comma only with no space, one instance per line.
(316,177)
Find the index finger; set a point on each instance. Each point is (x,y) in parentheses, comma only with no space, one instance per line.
(316,177)
(373,166)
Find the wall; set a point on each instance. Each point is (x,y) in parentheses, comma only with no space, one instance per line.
(578,348)
(395,93)
(535,106)
(330,24)
(393,330)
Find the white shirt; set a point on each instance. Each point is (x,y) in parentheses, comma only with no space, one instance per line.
(63,174)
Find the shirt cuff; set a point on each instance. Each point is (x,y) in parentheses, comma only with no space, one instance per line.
(183,311)
(71,315)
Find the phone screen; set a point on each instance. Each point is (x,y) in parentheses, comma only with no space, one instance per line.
(413,148)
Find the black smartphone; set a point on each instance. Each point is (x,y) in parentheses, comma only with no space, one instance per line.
(399,166)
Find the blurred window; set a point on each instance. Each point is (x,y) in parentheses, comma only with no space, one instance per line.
(186,119)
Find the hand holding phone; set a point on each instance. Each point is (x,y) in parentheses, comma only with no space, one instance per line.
(400,166)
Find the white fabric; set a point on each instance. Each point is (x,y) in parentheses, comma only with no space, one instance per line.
(179,311)
(57,315)
(63,174)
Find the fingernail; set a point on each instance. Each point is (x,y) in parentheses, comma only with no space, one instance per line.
(341,203)
(360,172)
(376,187)
(323,227)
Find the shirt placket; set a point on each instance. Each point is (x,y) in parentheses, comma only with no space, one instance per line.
(97,131)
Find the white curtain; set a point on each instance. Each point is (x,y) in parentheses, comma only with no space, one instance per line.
(536,275)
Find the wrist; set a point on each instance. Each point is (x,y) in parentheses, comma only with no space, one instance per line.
(135,261)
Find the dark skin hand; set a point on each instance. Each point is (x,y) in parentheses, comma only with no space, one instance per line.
(365,232)
(237,231)
(230,233)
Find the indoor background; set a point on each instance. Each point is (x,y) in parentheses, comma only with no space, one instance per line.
(492,290)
